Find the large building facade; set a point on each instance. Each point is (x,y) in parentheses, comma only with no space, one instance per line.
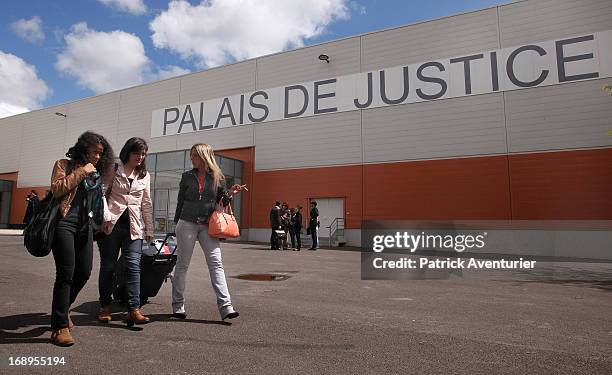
(501,113)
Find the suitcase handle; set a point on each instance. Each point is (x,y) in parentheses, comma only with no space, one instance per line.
(168,235)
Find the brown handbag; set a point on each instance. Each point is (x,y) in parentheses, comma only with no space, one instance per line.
(222,223)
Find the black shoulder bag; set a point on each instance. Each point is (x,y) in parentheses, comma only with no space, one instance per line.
(39,232)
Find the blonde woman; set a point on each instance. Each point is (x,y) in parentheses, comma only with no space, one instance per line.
(200,190)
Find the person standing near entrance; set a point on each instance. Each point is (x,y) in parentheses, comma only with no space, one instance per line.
(76,183)
(128,219)
(296,221)
(314,225)
(200,191)
(285,224)
(298,226)
(275,223)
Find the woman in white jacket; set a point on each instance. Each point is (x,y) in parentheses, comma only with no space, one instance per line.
(128,219)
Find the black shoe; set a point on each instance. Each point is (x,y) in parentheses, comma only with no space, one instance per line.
(179,315)
(231,315)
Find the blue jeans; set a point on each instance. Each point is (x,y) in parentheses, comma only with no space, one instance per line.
(109,252)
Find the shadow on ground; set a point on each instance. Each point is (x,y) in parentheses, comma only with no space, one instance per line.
(563,276)
(35,327)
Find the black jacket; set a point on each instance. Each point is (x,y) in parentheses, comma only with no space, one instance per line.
(297,221)
(275,217)
(314,217)
(191,205)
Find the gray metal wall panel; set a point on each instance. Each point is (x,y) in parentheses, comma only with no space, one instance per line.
(568,116)
(218,82)
(10,152)
(219,139)
(448,37)
(43,146)
(308,142)
(136,107)
(540,20)
(464,126)
(303,64)
(98,114)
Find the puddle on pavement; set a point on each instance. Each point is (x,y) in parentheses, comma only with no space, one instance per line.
(262,277)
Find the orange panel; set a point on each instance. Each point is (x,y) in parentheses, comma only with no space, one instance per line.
(562,185)
(295,186)
(9,176)
(19,204)
(18,197)
(466,188)
(556,185)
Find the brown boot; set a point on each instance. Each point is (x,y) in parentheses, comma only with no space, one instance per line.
(104,315)
(70,323)
(136,317)
(62,337)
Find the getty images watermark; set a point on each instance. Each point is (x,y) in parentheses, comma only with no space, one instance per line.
(424,242)
(482,249)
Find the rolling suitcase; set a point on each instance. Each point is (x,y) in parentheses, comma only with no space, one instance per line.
(154,270)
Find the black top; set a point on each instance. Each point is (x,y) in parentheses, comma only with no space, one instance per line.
(124,219)
(297,220)
(314,216)
(275,217)
(77,214)
(286,219)
(195,207)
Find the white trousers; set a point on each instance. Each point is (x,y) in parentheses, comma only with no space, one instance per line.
(186,235)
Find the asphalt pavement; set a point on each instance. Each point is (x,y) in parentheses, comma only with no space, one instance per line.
(318,318)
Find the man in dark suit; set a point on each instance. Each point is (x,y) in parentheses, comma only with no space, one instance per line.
(275,223)
(313,223)
(297,226)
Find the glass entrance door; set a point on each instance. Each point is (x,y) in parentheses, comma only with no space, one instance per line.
(166,169)
(6,189)
(166,194)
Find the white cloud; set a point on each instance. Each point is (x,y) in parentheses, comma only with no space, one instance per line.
(216,32)
(30,30)
(358,8)
(8,109)
(170,71)
(107,61)
(20,88)
(103,61)
(136,7)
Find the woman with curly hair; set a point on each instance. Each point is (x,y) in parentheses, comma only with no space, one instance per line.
(76,183)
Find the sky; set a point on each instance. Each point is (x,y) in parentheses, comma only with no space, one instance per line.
(58,51)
